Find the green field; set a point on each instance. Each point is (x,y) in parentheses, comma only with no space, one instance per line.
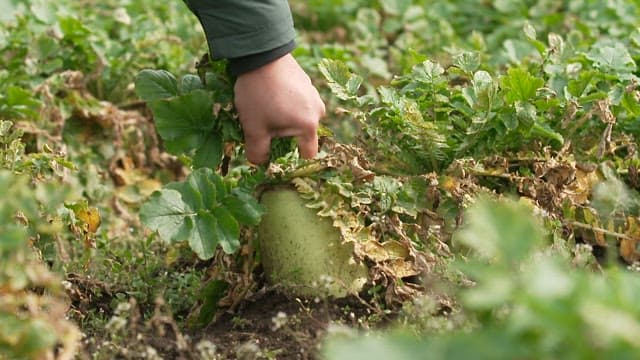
(479,163)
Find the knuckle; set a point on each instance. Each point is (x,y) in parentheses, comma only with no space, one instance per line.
(309,124)
(323,109)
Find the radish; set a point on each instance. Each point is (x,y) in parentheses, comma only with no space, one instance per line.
(304,252)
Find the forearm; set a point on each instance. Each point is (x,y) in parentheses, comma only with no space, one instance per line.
(250,33)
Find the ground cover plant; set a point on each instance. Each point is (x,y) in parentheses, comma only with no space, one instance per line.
(475,196)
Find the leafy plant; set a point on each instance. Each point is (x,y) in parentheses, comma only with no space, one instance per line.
(32,306)
(527,300)
(441,100)
(204,210)
(186,117)
(404,137)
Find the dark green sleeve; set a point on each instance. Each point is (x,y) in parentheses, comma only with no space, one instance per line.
(240,28)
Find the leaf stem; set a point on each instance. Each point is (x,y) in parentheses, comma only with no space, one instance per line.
(599,230)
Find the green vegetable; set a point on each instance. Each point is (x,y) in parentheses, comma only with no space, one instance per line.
(304,252)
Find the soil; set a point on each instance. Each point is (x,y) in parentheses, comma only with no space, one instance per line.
(268,326)
(276,326)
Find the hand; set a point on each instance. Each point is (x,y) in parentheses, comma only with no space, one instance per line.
(278,100)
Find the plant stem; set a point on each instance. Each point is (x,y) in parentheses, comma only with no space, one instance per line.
(600,230)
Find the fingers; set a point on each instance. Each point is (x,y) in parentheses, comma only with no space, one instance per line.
(321,106)
(258,143)
(308,140)
(293,107)
(308,144)
(257,147)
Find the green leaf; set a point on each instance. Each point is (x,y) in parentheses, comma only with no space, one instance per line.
(631,104)
(155,85)
(468,61)
(9,10)
(196,210)
(166,213)
(341,81)
(484,89)
(44,11)
(282,146)
(501,231)
(21,102)
(219,186)
(526,113)
(531,35)
(32,336)
(204,237)
(428,72)
(545,131)
(635,37)
(184,122)
(228,231)
(74,29)
(189,83)
(191,191)
(586,79)
(396,7)
(244,207)
(199,190)
(45,47)
(508,6)
(395,346)
(529,31)
(519,85)
(210,295)
(517,50)
(209,154)
(13,238)
(614,57)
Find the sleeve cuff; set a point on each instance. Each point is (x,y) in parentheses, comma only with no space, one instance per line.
(241,65)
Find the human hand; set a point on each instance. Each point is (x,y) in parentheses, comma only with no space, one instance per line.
(278,100)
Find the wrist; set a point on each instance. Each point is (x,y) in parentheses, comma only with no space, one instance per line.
(245,64)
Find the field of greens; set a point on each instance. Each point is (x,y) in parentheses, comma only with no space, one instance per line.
(476,194)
